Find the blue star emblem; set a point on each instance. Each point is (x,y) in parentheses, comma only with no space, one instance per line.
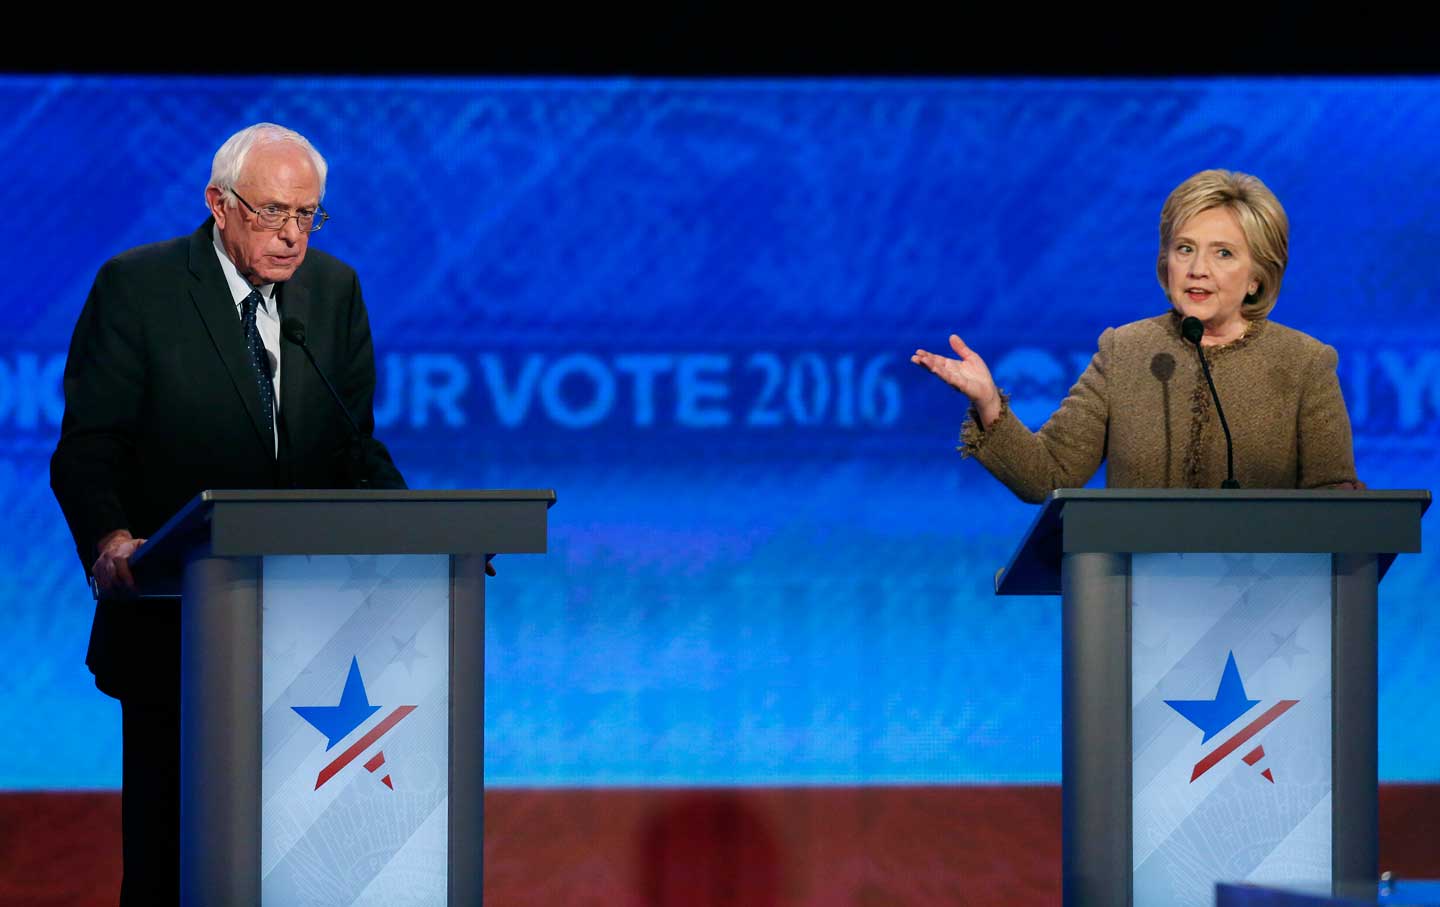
(336,721)
(1213,715)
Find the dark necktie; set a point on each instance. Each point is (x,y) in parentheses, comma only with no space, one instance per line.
(259,361)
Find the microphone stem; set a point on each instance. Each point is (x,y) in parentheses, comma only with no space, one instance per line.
(1229,443)
(344,410)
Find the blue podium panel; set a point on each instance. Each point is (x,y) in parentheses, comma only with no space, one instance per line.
(1231,722)
(355,729)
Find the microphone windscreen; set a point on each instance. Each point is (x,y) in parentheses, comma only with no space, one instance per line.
(1192,330)
(294,330)
(1162,366)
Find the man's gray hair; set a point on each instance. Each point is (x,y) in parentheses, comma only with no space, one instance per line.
(230,159)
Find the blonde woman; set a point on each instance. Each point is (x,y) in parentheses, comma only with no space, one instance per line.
(1143,403)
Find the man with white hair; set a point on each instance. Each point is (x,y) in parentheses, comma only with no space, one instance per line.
(177,382)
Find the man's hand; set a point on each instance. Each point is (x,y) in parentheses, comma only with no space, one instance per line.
(112,569)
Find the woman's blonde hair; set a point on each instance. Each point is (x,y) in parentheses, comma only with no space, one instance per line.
(1261,217)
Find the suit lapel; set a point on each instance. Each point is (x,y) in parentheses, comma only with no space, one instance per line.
(211,295)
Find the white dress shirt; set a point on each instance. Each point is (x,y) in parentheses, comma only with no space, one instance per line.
(267,316)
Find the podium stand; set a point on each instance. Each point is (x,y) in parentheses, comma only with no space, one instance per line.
(1219,683)
(333,689)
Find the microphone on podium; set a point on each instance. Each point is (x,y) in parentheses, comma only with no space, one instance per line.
(1192,330)
(293,329)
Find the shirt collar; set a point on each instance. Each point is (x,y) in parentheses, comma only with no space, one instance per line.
(239,286)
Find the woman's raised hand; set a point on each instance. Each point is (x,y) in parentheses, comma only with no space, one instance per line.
(968,374)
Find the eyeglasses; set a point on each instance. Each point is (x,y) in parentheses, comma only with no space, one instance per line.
(272,217)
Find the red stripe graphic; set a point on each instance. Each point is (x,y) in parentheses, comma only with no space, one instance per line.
(379,760)
(362,744)
(1234,743)
(1251,757)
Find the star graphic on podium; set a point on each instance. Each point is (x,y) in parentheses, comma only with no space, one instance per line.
(364,574)
(1287,648)
(1214,715)
(405,651)
(1240,572)
(337,721)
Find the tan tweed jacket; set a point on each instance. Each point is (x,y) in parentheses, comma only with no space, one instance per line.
(1143,405)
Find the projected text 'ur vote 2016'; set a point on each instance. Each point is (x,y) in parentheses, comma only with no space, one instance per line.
(1393,394)
(683,390)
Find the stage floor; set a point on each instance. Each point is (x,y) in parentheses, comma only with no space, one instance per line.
(972,846)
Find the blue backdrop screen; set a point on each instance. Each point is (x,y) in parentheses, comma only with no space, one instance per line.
(688,307)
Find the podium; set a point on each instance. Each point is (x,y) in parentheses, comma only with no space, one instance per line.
(333,689)
(1417,893)
(1219,683)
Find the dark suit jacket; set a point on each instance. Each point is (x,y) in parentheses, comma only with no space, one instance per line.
(160,404)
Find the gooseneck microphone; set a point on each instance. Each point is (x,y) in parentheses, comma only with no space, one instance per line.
(293,330)
(1192,330)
